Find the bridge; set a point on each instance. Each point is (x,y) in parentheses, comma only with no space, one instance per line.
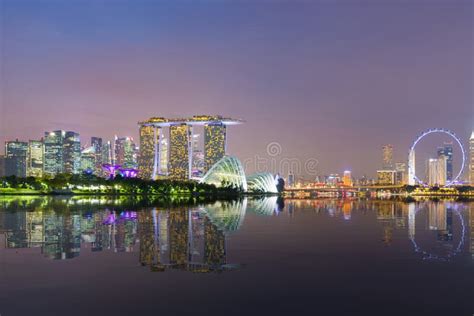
(342,190)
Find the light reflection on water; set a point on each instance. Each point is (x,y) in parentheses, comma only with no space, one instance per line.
(193,238)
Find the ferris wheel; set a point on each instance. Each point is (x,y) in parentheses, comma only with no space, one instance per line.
(412,177)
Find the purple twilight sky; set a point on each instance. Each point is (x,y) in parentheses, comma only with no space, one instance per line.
(329,80)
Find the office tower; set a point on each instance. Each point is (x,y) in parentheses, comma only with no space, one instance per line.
(401,175)
(88,160)
(471,159)
(386,177)
(72,153)
(96,142)
(214,143)
(107,153)
(148,159)
(16,153)
(347,178)
(387,156)
(34,161)
(53,153)
(447,151)
(125,152)
(437,171)
(411,168)
(180,151)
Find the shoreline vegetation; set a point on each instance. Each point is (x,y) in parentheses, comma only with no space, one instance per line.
(65,184)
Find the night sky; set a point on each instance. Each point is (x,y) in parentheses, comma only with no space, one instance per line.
(330,80)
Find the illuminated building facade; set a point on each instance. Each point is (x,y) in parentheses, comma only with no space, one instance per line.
(447,151)
(182,157)
(227,172)
(347,178)
(401,175)
(149,162)
(471,159)
(16,153)
(72,153)
(96,143)
(164,156)
(386,177)
(107,153)
(53,153)
(35,159)
(437,171)
(88,160)
(387,157)
(180,151)
(125,152)
(214,144)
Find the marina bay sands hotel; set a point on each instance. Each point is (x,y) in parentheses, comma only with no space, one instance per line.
(181,145)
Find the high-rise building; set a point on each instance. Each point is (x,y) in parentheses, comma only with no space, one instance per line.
(186,158)
(437,171)
(347,178)
(53,153)
(35,159)
(387,157)
(96,142)
(17,153)
(214,143)
(401,174)
(180,151)
(148,158)
(386,177)
(471,159)
(125,152)
(88,160)
(72,153)
(107,153)
(411,168)
(447,151)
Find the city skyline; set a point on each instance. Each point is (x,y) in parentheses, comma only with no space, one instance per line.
(324,102)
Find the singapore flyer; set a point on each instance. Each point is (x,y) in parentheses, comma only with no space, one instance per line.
(413,179)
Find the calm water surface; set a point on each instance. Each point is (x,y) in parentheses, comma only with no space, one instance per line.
(250,257)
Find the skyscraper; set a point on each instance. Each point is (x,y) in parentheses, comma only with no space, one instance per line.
(53,152)
(125,152)
(88,160)
(72,153)
(387,157)
(34,161)
(148,158)
(447,151)
(437,171)
(96,142)
(347,178)
(107,153)
(180,151)
(17,153)
(186,157)
(401,173)
(214,143)
(471,159)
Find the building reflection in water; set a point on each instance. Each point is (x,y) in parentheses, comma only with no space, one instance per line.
(194,238)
